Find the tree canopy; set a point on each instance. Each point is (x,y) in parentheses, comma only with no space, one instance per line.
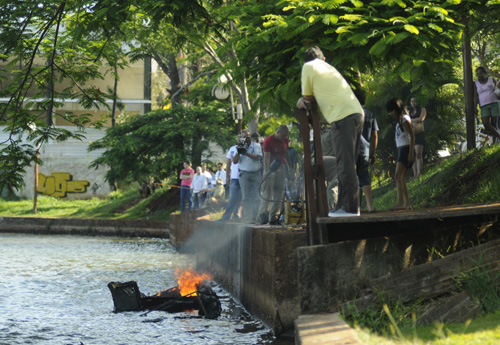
(258,44)
(156,144)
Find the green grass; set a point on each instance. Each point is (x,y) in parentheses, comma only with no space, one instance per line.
(116,205)
(480,331)
(462,179)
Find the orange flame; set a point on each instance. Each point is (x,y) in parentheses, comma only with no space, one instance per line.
(189,280)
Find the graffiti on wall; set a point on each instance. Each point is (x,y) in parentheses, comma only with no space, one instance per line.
(60,184)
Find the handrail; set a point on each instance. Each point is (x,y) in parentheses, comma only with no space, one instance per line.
(314,173)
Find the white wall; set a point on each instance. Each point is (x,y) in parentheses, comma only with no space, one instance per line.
(65,172)
(65,166)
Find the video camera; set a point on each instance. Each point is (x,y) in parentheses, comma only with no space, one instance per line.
(241,146)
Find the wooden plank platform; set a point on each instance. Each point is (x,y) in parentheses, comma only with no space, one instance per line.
(327,329)
(393,223)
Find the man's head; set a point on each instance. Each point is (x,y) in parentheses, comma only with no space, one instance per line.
(203,167)
(313,53)
(281,133)
(245,134)
(219,166)
(255,137)
(198,170)
(186,164)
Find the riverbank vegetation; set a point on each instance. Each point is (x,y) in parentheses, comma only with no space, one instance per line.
(396,323)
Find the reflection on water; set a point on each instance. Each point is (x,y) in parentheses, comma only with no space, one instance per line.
(53,290)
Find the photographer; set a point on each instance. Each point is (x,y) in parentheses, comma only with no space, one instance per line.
(248,158)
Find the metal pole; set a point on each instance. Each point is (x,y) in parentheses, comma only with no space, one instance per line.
(35,190)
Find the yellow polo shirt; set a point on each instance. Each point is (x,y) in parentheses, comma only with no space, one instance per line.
(332,92)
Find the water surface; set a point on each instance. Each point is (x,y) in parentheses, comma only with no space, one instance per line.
(53,290)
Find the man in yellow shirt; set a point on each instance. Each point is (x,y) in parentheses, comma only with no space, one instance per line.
(323,84)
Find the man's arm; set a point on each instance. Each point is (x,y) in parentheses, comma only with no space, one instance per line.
(302,100)
(228,172)
(267,158)
(186,177)
(373,154)
(253,156)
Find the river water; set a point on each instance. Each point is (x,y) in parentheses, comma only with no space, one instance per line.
(53,290)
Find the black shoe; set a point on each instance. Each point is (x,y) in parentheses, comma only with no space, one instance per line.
(275,222)
(261,219)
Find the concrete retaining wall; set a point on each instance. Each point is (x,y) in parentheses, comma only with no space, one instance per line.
(256,264)
(92,227)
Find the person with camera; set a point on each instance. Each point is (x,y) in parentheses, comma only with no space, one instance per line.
(276,155)
(248,157)
(186,178)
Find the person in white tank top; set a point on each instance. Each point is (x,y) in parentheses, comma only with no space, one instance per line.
(484,96)
(405,142)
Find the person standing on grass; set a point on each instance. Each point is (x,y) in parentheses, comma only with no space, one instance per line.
(186,178)
(199,185)
(418,115)
(405,142)
(485,97)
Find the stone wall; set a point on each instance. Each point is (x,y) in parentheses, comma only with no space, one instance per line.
(90,227)
(256,264)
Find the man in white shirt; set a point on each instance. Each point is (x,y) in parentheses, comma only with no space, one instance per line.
(199,185)
(232,179)
(221,173)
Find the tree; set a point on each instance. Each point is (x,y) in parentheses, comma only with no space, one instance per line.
(45,44)
(156,144)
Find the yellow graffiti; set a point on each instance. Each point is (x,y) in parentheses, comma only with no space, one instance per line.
(59,184)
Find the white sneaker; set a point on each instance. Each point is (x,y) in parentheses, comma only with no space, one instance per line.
(342,213)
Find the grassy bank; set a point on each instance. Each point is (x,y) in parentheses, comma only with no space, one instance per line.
(118,205)
(471,178)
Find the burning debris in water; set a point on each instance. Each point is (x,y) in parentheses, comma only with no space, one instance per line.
(192,293)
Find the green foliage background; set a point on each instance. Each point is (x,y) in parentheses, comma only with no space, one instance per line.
(156,144)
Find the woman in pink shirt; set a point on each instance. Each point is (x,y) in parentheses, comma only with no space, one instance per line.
(186,179)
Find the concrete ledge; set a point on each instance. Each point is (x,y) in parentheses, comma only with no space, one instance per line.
(257,265)
(92,227)
(324,329)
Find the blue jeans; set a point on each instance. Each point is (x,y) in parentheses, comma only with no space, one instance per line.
(186,193)
(250,197)
(234,200)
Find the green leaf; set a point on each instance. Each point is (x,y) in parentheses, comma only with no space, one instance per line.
(412,29)
(330,19)
(435,27)
(418,63)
